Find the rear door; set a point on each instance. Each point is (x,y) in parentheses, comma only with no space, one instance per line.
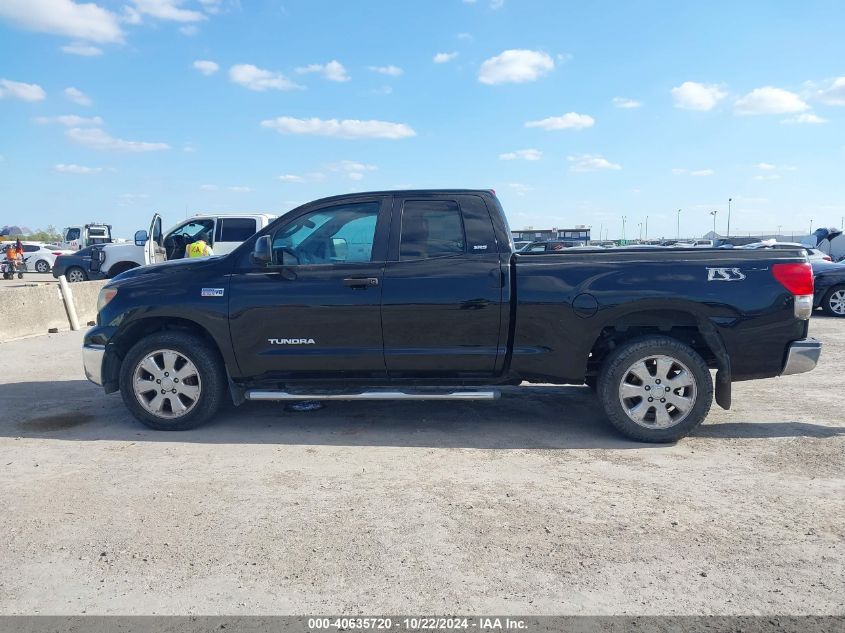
(442,296)
(232,232)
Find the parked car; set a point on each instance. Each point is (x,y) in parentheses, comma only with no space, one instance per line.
(550,245)
(40,257)
(829,287)
(418,295)
(76,266)
(813,254)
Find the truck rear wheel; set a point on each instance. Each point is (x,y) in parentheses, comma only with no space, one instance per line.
(172,381)
(655,389)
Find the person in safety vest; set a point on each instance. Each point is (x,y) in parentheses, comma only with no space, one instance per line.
(198,248)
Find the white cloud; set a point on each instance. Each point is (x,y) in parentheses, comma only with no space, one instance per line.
(624,102)
(71,120)
(515,66)
(767,177)
(258,79)
(189,148)
(391,70)
(769,100)
(766,166)
(83,21)
(353,169)
(834,93)
(189,29)
(209,187)
(693,172)
(692,95)
(240,189)
(464,36)
(807,117)
(18,90)
(82,48)
(591,162)
(290,178)
(77,169)
(95,138)
(524,154)
(497,4)
(442,58)
(347,128)
(518,188)
(333,71)
(78,97)
(167,10)
(206,66)
(568,121)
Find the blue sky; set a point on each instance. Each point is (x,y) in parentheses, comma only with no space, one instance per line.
(576,113)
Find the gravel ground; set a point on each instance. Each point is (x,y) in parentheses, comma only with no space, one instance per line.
(528,505)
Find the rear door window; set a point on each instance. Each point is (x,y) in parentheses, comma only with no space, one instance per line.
(431,228)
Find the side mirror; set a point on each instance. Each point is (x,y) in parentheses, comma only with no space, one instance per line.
(141,238)
(263,251)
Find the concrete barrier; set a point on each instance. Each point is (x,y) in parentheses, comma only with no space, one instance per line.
(36,309)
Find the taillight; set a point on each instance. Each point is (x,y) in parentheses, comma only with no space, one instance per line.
(827,258)
(57,253)
(797,279)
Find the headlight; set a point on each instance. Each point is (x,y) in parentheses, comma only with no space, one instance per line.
(106,295)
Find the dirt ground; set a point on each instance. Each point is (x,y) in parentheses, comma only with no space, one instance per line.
(528,505)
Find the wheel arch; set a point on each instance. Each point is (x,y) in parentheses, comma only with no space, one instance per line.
(696,331)
(137,329)
(121,267)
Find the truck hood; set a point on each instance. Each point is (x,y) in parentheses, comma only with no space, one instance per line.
(167,268)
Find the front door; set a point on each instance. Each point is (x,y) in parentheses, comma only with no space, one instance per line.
(154,248)
(313,313)
(442,294)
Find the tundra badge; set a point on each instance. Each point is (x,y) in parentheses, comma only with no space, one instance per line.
(212,292)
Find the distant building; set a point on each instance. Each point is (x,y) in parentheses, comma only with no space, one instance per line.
(530,234)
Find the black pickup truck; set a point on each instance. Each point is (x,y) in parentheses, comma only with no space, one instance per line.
(419,295)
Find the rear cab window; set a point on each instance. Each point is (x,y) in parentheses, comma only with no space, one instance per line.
(235,229)
(445,228)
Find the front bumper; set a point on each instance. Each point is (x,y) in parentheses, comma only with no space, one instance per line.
(92,359)
(802,356)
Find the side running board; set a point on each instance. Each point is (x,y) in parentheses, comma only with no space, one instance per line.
(256,394)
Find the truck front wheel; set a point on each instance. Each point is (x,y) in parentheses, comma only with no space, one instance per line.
(655,389)
(172,381)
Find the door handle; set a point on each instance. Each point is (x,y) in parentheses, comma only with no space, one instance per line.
(360,282)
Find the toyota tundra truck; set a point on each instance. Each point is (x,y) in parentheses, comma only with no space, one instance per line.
(419,295)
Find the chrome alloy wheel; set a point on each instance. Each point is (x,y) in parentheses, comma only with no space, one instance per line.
(657,392)
(75,275)
(836,301)
(167,384)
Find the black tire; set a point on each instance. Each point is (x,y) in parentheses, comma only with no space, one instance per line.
(616,369)
(828,297)
(75,274)
(209,366)
(42,266)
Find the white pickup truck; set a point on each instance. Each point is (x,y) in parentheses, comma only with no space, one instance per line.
(223,232)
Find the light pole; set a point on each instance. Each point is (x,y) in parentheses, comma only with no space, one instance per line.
(646,228)
(811,227)
(640,224)
(713,213)
(678,236)
(623,227)
(729,217)
(778,235)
